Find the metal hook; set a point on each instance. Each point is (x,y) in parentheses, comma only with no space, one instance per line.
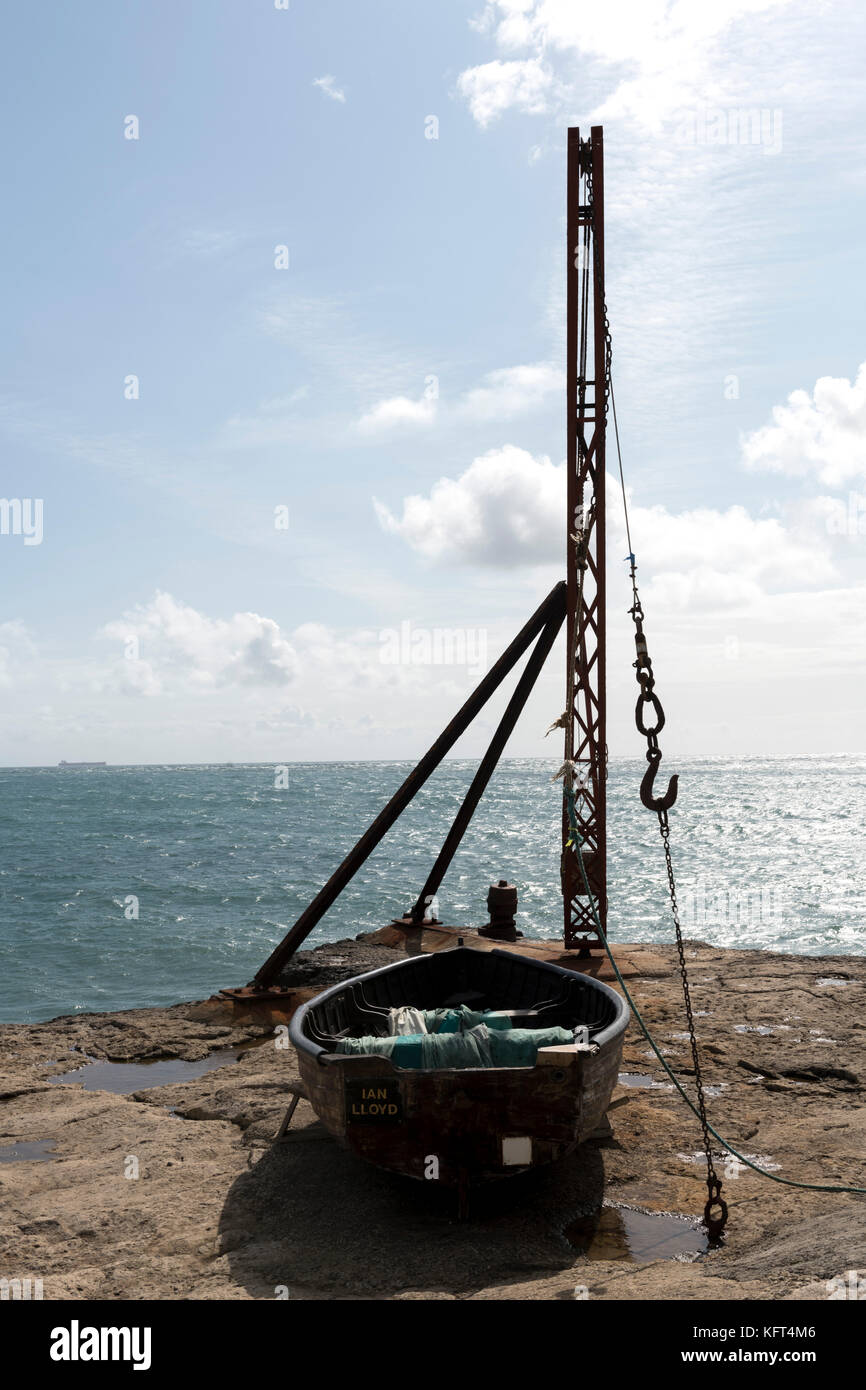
(715,1224)
(657,803)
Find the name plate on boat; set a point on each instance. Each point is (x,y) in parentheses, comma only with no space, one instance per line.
(373,1102)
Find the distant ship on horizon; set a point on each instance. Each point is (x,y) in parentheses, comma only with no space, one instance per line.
(64,763)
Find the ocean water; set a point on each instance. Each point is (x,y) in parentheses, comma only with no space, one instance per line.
(129,886)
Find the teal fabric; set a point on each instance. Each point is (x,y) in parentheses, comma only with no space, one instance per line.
(470,1048)
(519,1046)
(409,1051)
(457,1020)
(368,1047)
(478,1046)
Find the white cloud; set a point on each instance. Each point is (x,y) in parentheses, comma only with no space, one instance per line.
(501,511)
(503,394)
(511,391)
(166,647)
(508,509)
(657,55)
(326,84)
(204,688)
(823,433)
(167,644)
(286,719)
(694,222)
(493,87)
(397,411)
(706,557)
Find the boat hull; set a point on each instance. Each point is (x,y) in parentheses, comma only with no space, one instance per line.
(473,1125)
(401,1121)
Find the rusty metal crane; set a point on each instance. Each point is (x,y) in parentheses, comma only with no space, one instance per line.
(579,601)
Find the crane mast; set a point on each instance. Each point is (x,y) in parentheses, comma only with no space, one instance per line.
(588,367)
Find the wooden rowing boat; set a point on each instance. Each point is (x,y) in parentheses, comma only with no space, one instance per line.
(463,1125)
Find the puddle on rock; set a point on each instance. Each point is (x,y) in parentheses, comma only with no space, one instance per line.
(621,1233)
(28,1151)
(121,1078)
(636,1078)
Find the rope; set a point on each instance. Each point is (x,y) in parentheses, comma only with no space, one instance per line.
(621,475)
(786,1182)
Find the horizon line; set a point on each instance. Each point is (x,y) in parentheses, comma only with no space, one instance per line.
(94,764)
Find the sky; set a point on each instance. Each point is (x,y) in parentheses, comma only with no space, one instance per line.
(283,401)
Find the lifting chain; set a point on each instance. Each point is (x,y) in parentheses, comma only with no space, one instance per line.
(715,1211)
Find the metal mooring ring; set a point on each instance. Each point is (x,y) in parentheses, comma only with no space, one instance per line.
(651,699)
(715,1224)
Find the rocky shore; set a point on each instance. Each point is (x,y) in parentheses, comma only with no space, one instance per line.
(176,1190)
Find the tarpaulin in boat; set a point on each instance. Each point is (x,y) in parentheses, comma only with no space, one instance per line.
(478,1046)
(453,1020)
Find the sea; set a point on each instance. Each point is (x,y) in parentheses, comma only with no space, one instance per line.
(124,887)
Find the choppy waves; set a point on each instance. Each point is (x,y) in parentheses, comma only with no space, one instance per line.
(134,886)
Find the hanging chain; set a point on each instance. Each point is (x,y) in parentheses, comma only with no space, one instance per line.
(715,1223)
(715,1211)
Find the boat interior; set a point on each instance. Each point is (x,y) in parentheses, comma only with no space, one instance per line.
(536,996)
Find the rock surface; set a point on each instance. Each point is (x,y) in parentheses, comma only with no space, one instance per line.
(176,1191)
